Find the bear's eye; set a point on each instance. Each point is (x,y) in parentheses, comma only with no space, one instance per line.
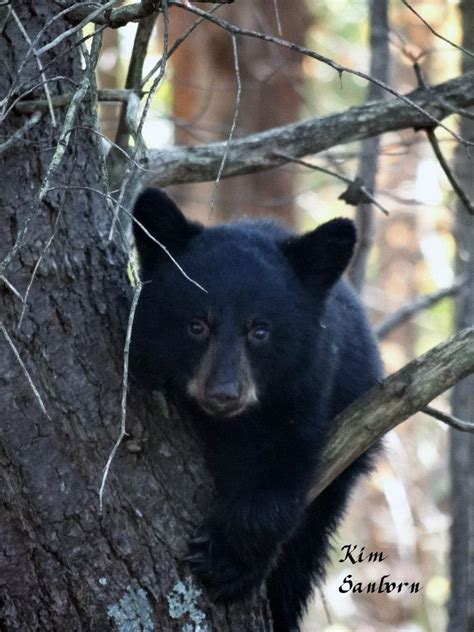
(198,329)
(259,333)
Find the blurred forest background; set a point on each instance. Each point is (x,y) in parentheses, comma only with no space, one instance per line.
(414,252)
(404,509)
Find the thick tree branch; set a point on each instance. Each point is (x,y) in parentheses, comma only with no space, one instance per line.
(263,150)
(396,398)
(117,18)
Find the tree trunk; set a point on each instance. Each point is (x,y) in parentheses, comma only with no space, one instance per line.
(64,566)
(205,89)
(461,607)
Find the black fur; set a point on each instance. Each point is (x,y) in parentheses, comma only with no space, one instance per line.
(318,355)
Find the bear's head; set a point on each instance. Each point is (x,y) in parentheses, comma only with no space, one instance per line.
(229,315)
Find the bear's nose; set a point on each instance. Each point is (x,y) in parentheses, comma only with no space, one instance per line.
(224,394)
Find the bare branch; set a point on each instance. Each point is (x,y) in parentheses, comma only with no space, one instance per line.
(439,154)
(20,133)
(235,55)
(65,34)
(24,369)
(356,187)
(11,287)
(454,422)
(176,45)
(339,68)
(37,265)
(469,206)
(130,170)
(120,17)
(435,33)
(133,81)
(56,160)
(397,318)
(123,416)
(396,398)
(40,66)
(108,197)
(110,95)
(277,17)
(258,152)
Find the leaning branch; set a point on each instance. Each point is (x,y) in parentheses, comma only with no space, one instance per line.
(420,303)
(264,150)
(396,398)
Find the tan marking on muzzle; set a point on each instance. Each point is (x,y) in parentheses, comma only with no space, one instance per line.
(197,386)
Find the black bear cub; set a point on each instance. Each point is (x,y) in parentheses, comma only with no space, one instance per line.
(271,347)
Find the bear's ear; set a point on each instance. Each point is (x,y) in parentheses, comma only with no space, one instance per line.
(320,257)
(156,217)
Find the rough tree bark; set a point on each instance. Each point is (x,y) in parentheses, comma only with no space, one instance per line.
(62,565)
(461,605)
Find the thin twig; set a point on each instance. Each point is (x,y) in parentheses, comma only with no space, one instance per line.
(420,303)
(325,606)
(129,171)
(277,17)
(25,370)
(435,33)
(20,133)
(35,269)
(108,196)
(235,55)
(362,188)
(121,16)
(6,110)
(133,80)
(107,140)
(469,206)
(176,45)
(339,68)
(52,167)
(439,154)
(12,288)
(110,95)
(40,66)
(75,29)
(454,422)
(123,416)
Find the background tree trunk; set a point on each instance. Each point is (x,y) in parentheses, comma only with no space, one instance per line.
(204,99)
(461,607)
(63,566)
